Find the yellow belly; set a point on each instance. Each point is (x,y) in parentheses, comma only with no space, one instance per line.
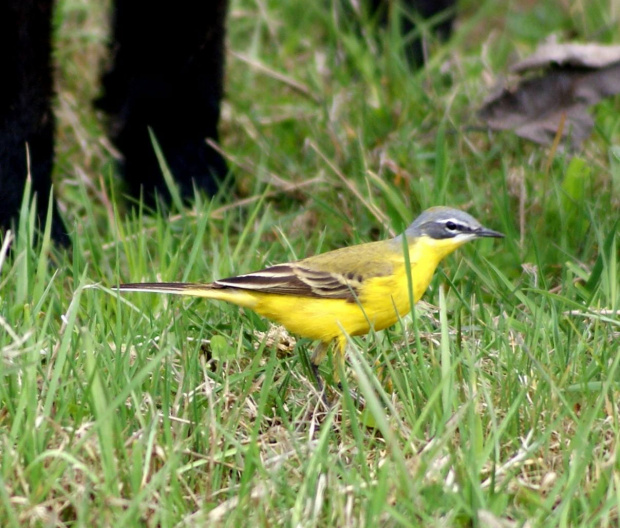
(325,319)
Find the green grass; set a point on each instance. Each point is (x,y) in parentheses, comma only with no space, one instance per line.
(494,404)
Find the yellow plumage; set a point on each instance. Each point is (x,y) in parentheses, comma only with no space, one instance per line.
(344,292)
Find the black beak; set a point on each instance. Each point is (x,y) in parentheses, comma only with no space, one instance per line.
(485,232)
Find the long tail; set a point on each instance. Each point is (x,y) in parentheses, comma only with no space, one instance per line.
(178,288)
(210,291)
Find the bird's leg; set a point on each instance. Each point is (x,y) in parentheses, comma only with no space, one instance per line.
(315,360)
(339,359)
(317,378)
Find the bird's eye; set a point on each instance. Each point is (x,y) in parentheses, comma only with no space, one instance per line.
(451,226)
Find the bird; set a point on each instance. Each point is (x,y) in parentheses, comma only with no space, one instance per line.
(345,292)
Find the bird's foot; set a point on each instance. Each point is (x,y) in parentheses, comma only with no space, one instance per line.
(357,398)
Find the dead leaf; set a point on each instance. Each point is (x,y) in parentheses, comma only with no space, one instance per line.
(536,107)
(592,56)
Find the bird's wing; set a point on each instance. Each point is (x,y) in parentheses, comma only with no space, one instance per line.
(294,279)
(333,275)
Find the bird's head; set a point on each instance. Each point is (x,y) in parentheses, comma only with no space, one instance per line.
(442,223)
(445,229)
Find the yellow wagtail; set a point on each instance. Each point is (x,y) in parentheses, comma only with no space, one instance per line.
(345,292)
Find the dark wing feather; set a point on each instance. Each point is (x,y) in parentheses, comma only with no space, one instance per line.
(295,279)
